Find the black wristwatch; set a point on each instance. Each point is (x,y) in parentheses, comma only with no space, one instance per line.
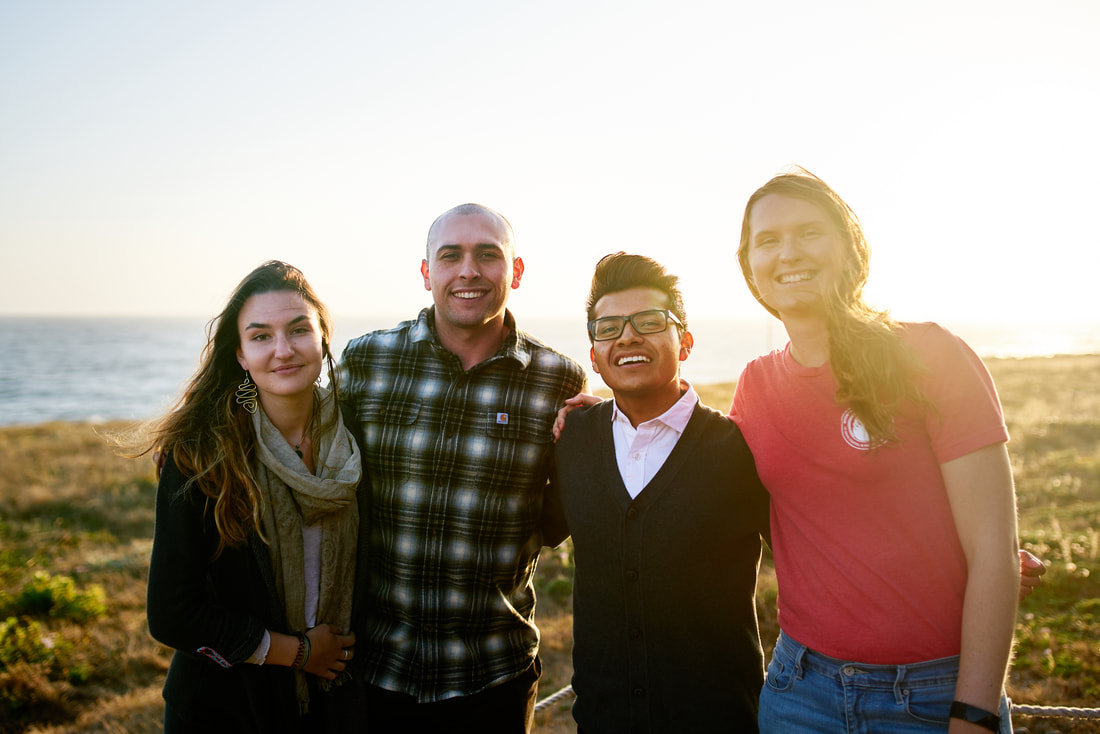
(975,715)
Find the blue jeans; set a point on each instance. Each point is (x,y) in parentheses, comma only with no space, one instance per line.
(806,691)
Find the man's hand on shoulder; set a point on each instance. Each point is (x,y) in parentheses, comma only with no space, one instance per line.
(580,400)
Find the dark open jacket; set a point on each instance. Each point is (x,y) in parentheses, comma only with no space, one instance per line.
(214,614)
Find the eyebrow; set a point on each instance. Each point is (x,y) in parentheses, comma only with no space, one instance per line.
(478,246)
(293,321)
(798,225)
(628,315)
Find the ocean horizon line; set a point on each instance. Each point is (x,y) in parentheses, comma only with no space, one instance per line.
(132,367)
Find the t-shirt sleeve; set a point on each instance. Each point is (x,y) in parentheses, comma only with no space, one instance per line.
(967,414)
(737,408)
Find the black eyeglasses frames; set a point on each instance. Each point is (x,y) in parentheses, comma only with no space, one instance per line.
(652,321)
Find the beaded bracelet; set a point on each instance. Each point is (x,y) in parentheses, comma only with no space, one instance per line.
(303,653)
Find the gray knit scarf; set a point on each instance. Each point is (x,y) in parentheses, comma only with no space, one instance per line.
(294,498)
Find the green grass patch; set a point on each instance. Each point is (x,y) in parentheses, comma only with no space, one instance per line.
(74,517)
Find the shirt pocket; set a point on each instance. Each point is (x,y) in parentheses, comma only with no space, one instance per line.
(516,450)
(388,411)
(531,428)
(387,426)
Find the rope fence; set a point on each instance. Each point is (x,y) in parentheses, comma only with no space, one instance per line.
(553,698)
(1067,712)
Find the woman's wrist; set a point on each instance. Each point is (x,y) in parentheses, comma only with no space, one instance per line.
(285,650)
(974,715)
(301,655)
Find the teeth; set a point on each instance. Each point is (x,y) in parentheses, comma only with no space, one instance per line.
(466,294)
(795,277)
(631,360)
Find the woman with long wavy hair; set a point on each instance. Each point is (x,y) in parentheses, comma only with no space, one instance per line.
(255,548)
(893,510)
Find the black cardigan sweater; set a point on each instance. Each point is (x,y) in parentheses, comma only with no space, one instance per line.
(665,635)
(219,609)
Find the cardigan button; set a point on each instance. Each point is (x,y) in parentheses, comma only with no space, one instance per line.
(631,575)
(635,634)
(638,692)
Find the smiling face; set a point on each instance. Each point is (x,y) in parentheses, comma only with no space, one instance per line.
(795,255)
(280,344)
(469,270)
(643,370)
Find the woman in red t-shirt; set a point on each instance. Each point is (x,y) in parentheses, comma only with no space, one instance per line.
(893,509)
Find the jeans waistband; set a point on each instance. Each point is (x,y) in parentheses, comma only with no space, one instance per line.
(924,672)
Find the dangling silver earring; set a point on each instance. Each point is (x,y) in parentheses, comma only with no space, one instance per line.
(246,394)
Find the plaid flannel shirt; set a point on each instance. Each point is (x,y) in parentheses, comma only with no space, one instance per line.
(458,463)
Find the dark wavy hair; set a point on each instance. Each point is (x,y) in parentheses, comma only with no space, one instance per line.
(210,436)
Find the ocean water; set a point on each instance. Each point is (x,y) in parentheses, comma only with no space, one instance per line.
(96,369)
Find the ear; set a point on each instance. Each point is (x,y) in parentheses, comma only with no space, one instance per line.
(592,356)
(424,272)
(240,360)
(687,341)
(517,271)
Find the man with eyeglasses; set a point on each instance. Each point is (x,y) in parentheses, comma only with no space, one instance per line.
(661,496)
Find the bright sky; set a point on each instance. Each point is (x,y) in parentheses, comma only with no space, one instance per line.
(151,154)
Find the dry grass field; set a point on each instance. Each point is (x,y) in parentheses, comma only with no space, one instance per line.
(76,529)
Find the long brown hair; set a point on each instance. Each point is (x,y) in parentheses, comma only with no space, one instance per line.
(874,368)
(208,435)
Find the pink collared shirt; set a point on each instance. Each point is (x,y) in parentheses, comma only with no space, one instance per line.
(642,451)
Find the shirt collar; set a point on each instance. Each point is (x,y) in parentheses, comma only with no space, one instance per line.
(516,346)
(676,417)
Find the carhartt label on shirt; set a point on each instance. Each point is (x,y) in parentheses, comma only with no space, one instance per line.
(502,419)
